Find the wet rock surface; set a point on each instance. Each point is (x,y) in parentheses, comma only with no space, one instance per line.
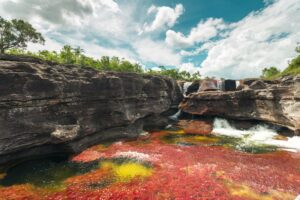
(277,102)
(196,126)
(48,108)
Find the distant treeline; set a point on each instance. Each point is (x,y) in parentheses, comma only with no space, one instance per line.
(76,56)
(292,69)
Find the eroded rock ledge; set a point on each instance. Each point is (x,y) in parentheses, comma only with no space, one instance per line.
(48,108)
(277,102)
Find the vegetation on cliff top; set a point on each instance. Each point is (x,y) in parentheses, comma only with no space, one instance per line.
(15,34)
(76,56)
(292,69)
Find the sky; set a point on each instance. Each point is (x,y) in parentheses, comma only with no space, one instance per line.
(221,38)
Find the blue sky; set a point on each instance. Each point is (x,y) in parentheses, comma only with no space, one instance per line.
(222,38)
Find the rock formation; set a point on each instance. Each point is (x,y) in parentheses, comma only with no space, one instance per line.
(277,102)
(48,108)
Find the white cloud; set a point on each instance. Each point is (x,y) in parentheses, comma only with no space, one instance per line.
(204,47)
(165,17)
(101,27)
(84,23)
(189,67)
(156,52)
(110,27)
(51,45)
(111,4)
(262,39)
(156,69)
(204,31)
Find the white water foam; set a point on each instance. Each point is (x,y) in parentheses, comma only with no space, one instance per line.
(186,85)
(259,135)
(133,154)
(176,115)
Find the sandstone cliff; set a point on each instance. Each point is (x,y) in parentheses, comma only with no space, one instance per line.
(48,108)
(277,102)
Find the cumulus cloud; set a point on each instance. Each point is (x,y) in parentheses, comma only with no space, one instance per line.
(156,52)
(189,67)
(53,11)
(205,47)
(102,27)
(165,17)
(262,39)
(204,31)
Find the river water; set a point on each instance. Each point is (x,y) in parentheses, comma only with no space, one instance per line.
(225,163)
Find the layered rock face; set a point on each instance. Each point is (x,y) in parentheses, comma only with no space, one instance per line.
(277,102)
(48,108)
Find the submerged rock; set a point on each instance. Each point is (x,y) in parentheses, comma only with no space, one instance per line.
(278,103)
(48,108)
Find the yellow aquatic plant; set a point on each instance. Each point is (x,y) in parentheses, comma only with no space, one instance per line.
(127,171)
(247,192)
(179,132)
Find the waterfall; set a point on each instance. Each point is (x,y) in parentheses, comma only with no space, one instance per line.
(259,134)
(221,85)
(237,84)
(186,85)
(176,115)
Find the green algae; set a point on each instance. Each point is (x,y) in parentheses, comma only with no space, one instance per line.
(45,173)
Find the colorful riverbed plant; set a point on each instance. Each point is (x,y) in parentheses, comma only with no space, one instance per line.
(174,165)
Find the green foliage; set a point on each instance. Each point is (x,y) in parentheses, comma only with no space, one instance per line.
(75,56)
(16,34)
(292,69)
(294,65)
(271,72)
(175,74)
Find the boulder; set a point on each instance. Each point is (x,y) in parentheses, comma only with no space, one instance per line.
(194,87)
(48,108)
(208,85)
(248,81)
(278,105)
(230,85)
(258,85)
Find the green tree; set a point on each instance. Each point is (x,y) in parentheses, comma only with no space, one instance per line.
(16,34)
(294,64)
(67,55)
(270,72)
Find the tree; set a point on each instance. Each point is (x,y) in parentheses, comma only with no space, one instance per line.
(16,34)
(270,72)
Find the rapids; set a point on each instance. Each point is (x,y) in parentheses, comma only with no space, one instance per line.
(225,163)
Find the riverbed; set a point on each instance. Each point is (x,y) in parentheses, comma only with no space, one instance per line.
(173,163)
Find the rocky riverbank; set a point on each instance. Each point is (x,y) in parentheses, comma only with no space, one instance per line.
(47,108)
(276,102)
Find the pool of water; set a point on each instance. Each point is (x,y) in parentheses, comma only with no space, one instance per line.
(175,163)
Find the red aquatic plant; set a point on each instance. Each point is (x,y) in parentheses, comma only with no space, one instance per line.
(181,172)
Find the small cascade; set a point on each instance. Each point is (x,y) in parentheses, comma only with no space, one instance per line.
(186,85)
(237,83)
(220,85)
(257,135)
(176,115)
